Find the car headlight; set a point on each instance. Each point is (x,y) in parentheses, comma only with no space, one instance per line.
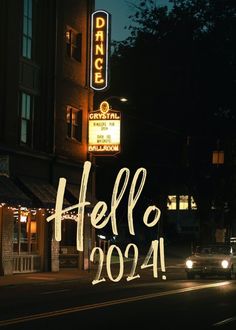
(189,264)
(225,263)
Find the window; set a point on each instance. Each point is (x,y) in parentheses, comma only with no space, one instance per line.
(172,202)
(27,29)
(73,44)
(193,204)
(183,202)
(25,231)
(68,233)
(74,123)
(26,109)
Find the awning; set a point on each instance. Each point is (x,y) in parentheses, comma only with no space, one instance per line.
(11,194)
(74,190)
(43,193)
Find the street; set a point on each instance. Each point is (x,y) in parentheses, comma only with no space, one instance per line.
(163,304)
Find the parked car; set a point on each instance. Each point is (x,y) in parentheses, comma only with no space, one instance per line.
(207,260)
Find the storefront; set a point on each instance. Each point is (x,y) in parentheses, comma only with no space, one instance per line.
(19,230)
(27,239)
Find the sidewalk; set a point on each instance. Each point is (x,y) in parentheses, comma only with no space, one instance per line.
(69,274)
(64,274)
(73,274)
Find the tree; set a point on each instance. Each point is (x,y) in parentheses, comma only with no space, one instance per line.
(178,68)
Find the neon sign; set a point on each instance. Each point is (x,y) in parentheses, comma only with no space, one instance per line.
(104,130)
(100,44)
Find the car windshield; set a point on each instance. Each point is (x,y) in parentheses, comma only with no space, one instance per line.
(213,249)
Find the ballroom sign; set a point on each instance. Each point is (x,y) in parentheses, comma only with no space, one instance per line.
(104,130)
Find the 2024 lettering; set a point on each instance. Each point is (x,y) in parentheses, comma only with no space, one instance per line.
(153,252)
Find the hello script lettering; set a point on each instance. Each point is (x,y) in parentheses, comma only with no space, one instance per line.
(99,218)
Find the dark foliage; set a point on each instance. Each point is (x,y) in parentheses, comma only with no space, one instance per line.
(178,69)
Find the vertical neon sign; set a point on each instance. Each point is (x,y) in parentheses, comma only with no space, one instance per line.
(100,44)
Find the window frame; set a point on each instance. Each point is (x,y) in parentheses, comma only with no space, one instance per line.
(27,29)
(74,44)
(30,243)
(74,128)
(26,116)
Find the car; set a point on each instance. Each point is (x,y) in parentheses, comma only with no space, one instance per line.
(212,259)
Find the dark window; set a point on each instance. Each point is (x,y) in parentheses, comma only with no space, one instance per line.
(26,115)
(68,233)
(74,44)
(27,29)
(74,123)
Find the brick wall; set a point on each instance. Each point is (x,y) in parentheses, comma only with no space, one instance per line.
(7,223)
(54,252)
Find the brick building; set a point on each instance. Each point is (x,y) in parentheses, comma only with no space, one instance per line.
(44,103)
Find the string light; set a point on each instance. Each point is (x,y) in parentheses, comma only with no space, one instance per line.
(68,215)
(17,210)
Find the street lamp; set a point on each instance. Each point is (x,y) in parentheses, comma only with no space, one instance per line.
(116,99)
(105,102)
(121,99)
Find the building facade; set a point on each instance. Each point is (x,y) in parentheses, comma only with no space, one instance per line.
(44,103)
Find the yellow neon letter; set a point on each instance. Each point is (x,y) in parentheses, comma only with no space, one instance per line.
(98,78)
(100,22)
(99,36)
(99,50)
(98,63)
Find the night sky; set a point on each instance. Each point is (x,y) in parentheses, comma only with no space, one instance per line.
(120,10)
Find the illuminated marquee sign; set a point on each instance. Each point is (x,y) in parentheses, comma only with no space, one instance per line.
(104,131)
(100,44)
